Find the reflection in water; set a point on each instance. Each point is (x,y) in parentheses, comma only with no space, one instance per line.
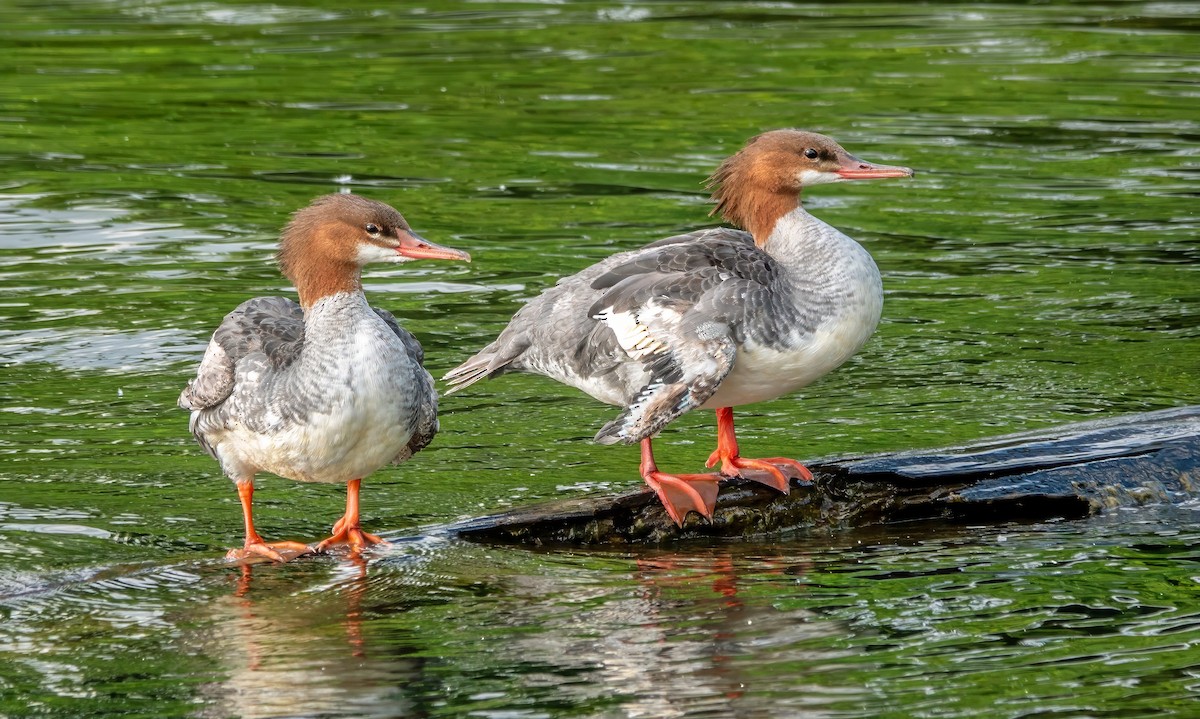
(431,627)
(668,636)
(680,642)
(300,649)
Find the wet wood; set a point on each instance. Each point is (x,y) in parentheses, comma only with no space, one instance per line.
(1067,471)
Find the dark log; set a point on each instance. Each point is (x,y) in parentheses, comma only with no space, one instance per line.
(1069,471)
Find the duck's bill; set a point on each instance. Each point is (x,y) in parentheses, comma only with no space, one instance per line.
(415,247)
(856,169)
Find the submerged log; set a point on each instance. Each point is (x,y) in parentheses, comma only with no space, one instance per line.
(1069,471)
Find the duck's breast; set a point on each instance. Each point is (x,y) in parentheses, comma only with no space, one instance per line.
(762,373)
(834,297)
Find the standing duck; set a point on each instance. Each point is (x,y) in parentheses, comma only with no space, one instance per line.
(328,390)
(711,319)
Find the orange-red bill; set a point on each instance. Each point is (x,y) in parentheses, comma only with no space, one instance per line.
(855,169)
(418,248)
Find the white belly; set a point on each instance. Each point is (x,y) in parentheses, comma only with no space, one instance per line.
(347,443)
(360,417)
(761,374)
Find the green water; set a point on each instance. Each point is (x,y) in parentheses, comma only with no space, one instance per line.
(1040,268)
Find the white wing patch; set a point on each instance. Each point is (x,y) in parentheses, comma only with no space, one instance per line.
(633,334)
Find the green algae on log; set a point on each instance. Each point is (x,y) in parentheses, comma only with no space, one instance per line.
(1068,471)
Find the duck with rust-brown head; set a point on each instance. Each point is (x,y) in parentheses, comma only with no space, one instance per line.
(712,319)
(327,390)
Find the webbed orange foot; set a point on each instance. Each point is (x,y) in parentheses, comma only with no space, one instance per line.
(353,536)
(254,546)
(680,493)
(347,530)
(683,493)
(274,551)
(765,471)
(769,471)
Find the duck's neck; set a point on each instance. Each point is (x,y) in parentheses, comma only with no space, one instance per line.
(332,328)
(763,211)
(798,238)
(335,311)
(316,280)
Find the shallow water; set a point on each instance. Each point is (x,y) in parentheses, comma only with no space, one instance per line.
(1040,268)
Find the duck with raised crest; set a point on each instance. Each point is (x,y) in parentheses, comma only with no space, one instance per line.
(327,390)
(712,319)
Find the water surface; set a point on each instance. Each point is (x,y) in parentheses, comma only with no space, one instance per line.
(1040,268)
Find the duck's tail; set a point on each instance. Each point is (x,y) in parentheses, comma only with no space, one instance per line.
(488,362)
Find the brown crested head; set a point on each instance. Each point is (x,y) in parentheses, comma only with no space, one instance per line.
(762,182)
(324,247)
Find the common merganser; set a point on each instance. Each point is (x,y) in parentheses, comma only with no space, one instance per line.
(328,390)
(711,319)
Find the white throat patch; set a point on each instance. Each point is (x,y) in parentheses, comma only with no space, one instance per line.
(368,252)
(816,177)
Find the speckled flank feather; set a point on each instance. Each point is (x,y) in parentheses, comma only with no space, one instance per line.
(259,335)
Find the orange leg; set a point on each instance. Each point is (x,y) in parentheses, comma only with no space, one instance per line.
(254,544)
(732,463)
(680,493)
(347,530)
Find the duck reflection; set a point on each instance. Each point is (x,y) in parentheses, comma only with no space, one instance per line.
(294,647)
(496,632)
(690,638)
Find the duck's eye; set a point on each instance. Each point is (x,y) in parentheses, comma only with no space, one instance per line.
(811,153)
(372,229)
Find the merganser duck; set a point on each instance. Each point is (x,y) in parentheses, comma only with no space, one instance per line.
(328,390)
(712,319)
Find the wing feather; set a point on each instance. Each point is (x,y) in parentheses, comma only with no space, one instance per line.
(425,423)
(663,323)
(679,309)
(269,326)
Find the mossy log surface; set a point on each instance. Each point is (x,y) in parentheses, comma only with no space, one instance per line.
(1068,471)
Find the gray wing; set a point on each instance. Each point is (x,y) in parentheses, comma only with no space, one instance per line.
(721,277)
(267,330)
(425,423)
(682,309)
(270,326)
(659,325)
(556,335)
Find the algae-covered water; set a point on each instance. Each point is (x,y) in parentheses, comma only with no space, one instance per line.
(1040,268)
